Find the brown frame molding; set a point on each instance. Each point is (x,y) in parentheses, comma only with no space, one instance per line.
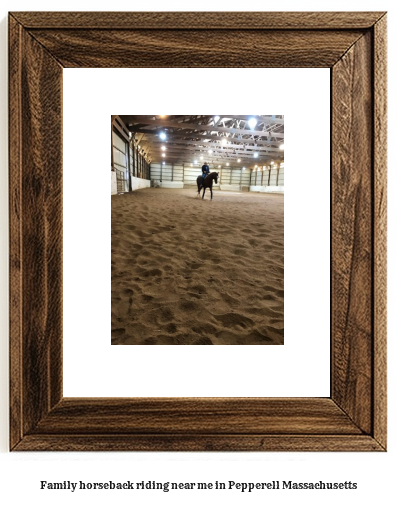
(353,45)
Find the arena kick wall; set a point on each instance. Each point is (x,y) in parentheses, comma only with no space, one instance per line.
(268,179)
(264,179)
(185,176)
(129,169)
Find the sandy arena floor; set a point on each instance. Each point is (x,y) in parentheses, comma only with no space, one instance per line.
(192,272)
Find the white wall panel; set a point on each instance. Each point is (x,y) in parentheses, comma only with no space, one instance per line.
(191,174)
(113,182)
(225,176)
(281,177)
(245,180)
(256,177)
(120,162)
(187,174)
(119,158)
(236,176)
(118,142)
(266,176)
(273,177)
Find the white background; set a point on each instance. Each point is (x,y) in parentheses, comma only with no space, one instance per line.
(20,473)
(195,371)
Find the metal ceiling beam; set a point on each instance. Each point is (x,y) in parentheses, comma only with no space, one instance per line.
(225,155)
(200,136)
(215,142)
(194,137)
(267,118)
(209,158)
(193,126)
(236,150)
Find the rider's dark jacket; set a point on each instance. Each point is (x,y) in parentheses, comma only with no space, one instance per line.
(205,170)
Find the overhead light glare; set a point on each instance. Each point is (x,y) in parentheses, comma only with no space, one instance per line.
(281,146)
(216,119)
(252,123)
(163,136)
(239,160)
(163,148)
(256,154)
(224,140)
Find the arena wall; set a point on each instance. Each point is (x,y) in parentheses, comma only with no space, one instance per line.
(129,168)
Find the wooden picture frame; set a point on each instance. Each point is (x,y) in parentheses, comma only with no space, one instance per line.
(353,46)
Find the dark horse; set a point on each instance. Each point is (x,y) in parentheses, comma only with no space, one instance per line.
(208,181)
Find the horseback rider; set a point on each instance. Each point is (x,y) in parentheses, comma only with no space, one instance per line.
(205,170)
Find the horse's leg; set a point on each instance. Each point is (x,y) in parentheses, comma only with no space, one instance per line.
(204,192)
(211,191)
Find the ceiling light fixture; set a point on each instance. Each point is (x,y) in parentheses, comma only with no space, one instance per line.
(252,123)
(163,136)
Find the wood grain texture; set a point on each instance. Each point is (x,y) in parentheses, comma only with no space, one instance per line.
(36,187)
(200,20)
(41,231)
(203,416)
(352,233)
(354,46)
(196,48)
(199,443)
(380,229)
(15,248)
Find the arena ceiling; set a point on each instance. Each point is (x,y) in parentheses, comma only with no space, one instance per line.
(219,139)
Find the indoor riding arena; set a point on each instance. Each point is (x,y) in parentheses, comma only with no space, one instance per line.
(188,270)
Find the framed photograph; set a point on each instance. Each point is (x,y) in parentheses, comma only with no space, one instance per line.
(353,46)
(198,270)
